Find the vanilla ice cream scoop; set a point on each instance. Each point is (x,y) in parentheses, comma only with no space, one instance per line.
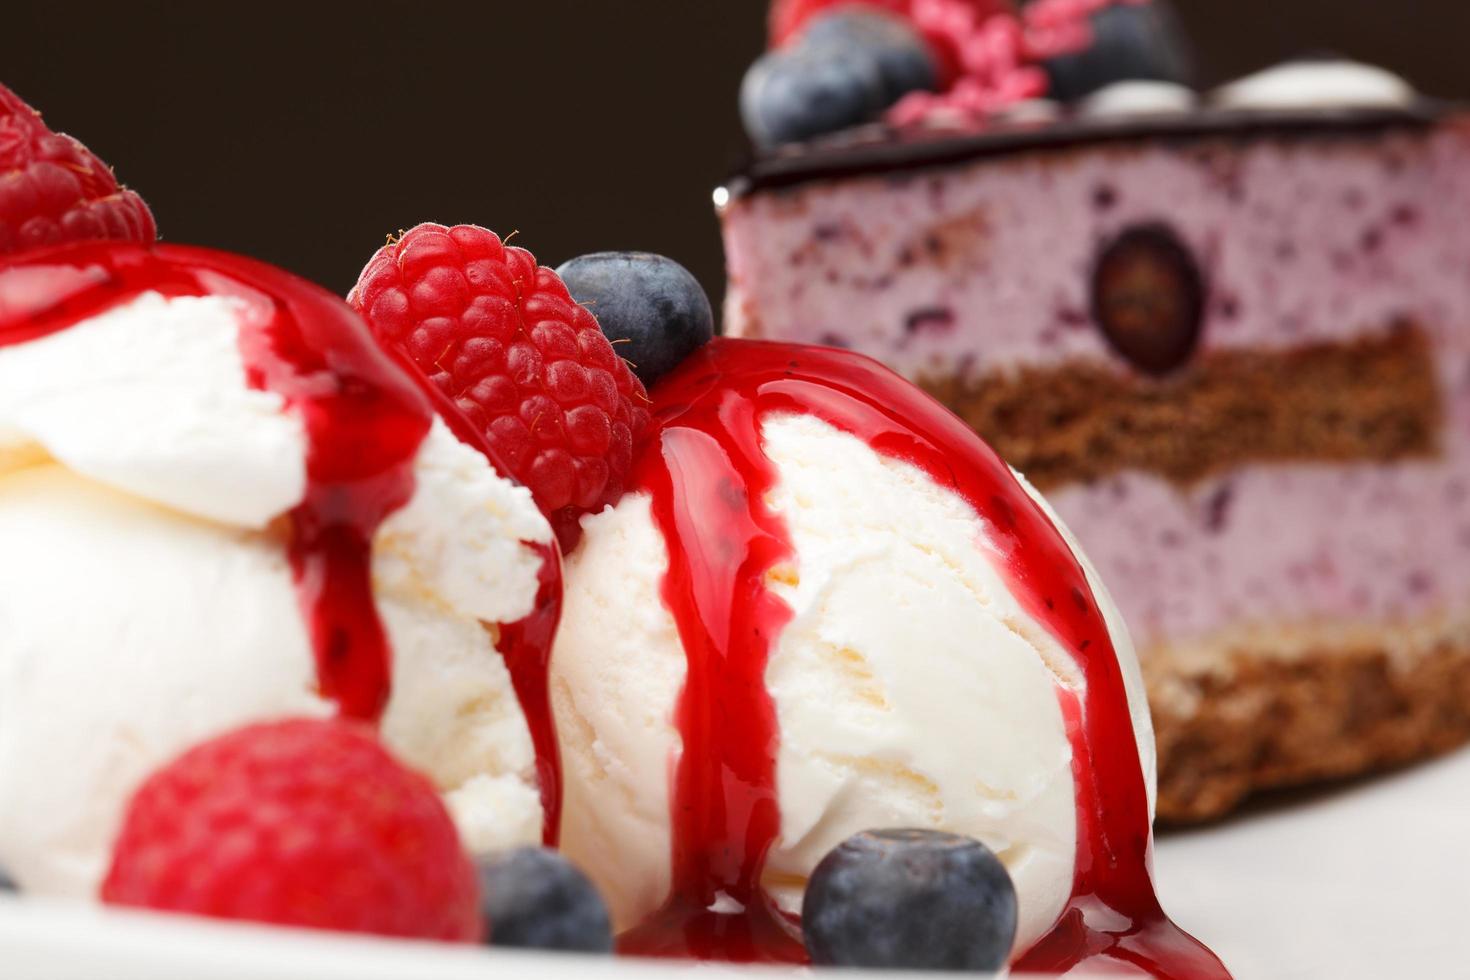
(828,607)
(221,503)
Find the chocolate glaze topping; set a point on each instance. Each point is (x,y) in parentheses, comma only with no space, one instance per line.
(880,149)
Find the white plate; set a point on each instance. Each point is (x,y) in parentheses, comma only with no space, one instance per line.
(42,941)
(1367,880)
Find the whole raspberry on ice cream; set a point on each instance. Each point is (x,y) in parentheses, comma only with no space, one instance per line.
(528,366)
(302,823)
(54,190)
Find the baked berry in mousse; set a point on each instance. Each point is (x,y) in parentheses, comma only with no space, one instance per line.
(1227,335)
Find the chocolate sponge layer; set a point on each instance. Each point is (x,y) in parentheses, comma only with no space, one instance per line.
(1259,718)
(1367,399)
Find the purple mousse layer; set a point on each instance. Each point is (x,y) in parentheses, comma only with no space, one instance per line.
(1309,545)
(985,265)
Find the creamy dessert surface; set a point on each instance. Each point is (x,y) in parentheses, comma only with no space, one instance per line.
(144,494)
(968,736)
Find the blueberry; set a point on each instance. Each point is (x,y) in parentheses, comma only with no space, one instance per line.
(652,309)
(1131,42)
(905,62)
(7,883)
(1149,297)
(534,898)
(912,900)
(796,93)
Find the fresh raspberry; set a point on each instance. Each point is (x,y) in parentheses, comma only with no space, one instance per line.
(301,823)
(989,52)
(788,17)
(946,24)
(528,367)
(53,190)
(993,62)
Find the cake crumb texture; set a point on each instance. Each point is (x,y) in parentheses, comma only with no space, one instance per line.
(1291,712)
(1372,398)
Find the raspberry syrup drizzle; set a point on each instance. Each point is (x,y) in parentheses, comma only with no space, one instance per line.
(708,478)
(365,420)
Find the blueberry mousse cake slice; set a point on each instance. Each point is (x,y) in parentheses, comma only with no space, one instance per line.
(1227,335)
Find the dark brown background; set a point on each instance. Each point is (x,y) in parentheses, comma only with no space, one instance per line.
(303,132)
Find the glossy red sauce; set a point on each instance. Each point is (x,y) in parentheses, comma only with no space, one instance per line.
(526,647)
(364,417)
(525,644)
(708,475)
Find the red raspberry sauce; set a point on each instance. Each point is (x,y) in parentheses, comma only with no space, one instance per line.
(708,478)
(365,419)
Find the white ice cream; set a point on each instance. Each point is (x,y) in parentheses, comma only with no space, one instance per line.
(146,601)
(911,689)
